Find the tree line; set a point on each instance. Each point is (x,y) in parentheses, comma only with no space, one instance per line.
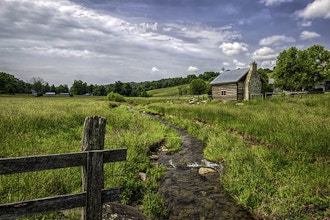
(9,84)
(295,70)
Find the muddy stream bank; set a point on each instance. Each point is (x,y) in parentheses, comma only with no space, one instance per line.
(191,194)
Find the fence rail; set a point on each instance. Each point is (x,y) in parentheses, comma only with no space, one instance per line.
(91,159)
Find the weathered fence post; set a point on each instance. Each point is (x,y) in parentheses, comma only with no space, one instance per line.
(92,173)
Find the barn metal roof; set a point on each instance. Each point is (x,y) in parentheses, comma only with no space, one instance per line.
(230,76)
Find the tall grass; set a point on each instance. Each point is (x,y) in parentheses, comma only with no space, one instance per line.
(275,152)
(52,125)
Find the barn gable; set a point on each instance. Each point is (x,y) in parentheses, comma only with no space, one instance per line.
(237,84)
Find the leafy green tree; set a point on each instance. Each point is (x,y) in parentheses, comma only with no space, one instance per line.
(118,87)
(62,89)
(52,88)
(38,84)
(264,74)
(126,89)
(191,77)
(99,90)
(319,63)
(78,87)
(301,69)
(46,88)
(197,87)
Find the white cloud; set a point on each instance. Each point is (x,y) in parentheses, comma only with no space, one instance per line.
(154,69)
(192,69)
(268,64)
(276,40)
(148,26)
(239,64)
(167,29)
(316,9)
(306,23)
(226,64)
(264,53)
(233,48)
(305,35)
(274,2)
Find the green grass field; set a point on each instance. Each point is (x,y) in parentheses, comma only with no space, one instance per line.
(50,125)
(276,152)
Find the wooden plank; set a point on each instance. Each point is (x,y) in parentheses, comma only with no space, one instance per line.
(54,161)
(38,163)
(110,195)
(114,155)
(94,184)
(44,205)
(52,204)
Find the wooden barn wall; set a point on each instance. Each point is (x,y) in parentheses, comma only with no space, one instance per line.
(231,91)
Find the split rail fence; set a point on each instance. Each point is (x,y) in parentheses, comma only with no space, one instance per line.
(92,158)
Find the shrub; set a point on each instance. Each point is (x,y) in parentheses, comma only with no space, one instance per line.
(115,97)
(153,205)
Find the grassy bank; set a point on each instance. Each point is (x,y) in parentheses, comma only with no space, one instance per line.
(51,125)
(276,152)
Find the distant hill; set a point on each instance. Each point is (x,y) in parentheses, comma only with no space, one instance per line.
(164,92)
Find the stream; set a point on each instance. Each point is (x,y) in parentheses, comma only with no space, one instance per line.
(191,195)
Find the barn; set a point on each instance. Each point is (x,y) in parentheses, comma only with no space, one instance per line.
(240,84)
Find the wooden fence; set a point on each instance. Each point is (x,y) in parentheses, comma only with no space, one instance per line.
(91,159)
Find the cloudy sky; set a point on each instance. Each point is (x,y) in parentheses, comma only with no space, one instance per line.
(103,41)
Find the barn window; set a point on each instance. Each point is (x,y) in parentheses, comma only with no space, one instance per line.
(223,92)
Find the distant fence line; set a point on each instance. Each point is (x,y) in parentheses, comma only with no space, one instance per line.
(91,159)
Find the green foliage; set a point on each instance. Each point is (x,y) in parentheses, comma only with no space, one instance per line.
(197,87)
(153,205)
(296,69)
(10,85)
(264,74)
(115,97)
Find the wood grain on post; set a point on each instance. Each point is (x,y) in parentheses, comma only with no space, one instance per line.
(92,174)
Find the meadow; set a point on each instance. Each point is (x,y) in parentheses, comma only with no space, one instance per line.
(50,125)
(275,151)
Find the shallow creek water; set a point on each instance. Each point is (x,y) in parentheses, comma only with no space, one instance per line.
(189,195)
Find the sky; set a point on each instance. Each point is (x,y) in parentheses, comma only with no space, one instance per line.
(104,41)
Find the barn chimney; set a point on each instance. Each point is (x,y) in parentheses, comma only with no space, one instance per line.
(253,66)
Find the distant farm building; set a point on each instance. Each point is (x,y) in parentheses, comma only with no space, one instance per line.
(50,93)
(240,84)
(323,86)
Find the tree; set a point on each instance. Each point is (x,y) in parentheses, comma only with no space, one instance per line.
(8,83)
(78,87)
(264,74)
(198,87)
(301,69)
(319,63)
(62,89)
(38,84)
(53,88)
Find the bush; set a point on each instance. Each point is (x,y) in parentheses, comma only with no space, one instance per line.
(115,97)
(153,205)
